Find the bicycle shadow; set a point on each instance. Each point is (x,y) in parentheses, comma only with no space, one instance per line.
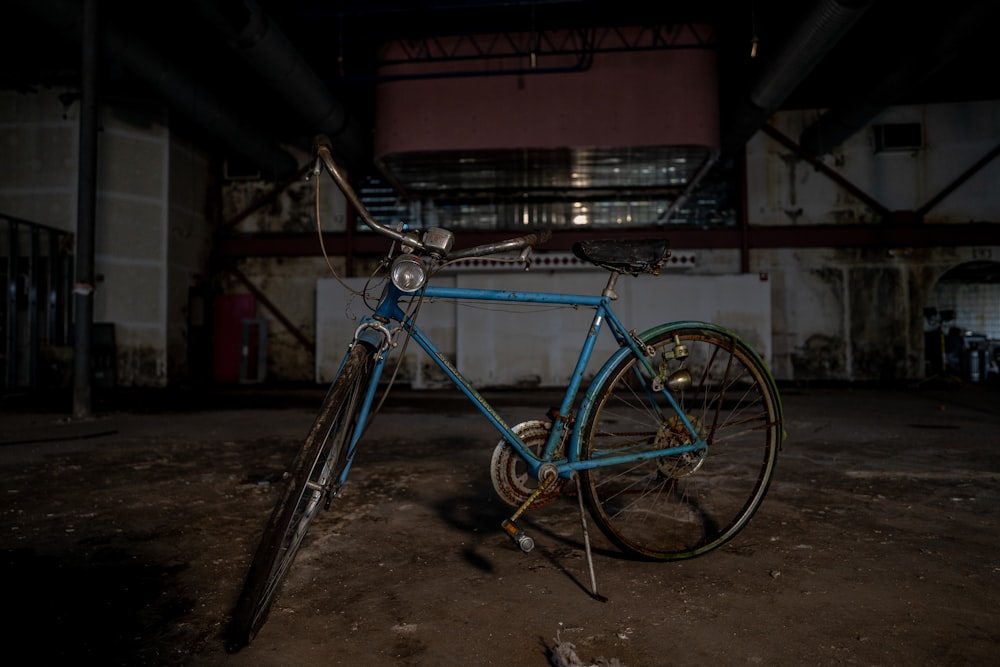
(479,512)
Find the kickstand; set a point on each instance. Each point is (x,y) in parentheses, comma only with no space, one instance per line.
(586,541)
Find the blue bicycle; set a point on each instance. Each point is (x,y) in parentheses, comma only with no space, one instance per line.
(671,445)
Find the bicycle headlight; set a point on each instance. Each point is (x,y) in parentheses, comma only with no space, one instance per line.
(408,273)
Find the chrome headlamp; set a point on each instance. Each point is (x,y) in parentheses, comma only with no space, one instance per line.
(409,273)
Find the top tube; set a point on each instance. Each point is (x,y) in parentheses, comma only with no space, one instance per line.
(389,306)
(433,292)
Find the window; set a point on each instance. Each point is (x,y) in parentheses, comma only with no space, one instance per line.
(890,137)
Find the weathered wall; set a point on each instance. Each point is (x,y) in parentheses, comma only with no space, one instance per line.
(131,240)
(289,283)
(856,314)
(39,141)
(844,314)
(851,314)
(784,189)
(151,231)
(506,345)
(192,190)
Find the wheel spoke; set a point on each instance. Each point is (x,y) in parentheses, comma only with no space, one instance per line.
(682,505)
(308,484)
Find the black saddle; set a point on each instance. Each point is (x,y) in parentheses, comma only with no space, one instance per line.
(633,256)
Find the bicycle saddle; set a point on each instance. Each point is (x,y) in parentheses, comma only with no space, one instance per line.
(633,256)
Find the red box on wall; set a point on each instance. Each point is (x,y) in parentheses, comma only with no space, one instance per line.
(229,311)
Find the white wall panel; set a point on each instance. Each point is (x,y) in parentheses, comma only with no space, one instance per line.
(501,345)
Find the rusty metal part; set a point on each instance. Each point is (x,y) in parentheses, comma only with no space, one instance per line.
(511,479)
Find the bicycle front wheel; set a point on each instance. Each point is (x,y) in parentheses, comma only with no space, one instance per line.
(308,485)
(680,506)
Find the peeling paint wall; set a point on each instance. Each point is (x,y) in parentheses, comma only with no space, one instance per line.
(852,314)
(252,206)
(152,230)
(290,287)
(818,317)
(191,223)
(856,314)
(131,243)
(288,283)
(879,346)
(784,189)
(839,314)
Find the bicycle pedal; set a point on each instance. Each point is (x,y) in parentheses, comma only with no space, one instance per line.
(521,539)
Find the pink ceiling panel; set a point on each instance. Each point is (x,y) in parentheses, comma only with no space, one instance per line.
(625,98)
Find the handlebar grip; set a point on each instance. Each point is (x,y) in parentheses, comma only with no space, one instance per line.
(516,243)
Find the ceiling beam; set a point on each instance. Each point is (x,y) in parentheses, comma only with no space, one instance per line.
(888,236)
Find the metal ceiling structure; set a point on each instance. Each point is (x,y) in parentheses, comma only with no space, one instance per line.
(250,79)
(255,75)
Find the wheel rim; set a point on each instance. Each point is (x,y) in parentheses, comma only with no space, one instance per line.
(684,505)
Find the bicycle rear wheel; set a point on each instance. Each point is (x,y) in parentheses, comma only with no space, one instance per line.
(307,488)
(676,507)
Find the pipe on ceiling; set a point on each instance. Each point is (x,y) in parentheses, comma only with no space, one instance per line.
(823,26)
(196,102)
(256,38)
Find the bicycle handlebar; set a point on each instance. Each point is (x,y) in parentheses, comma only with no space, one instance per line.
(324,156)
(324,153)
(516,243)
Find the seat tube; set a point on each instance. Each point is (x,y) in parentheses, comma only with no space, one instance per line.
(600,315)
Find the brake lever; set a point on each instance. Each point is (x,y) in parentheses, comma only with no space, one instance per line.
(525,257)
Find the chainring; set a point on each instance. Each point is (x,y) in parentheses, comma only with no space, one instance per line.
(511,479)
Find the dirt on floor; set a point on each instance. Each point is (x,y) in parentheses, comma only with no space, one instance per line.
(125,537)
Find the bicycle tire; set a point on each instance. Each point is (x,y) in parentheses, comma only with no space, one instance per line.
(678,507)
(306,490)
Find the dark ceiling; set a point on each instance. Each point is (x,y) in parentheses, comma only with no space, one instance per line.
(852,57)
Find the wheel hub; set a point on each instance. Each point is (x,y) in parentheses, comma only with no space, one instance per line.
(673,433)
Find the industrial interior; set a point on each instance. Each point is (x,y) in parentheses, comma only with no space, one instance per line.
(180,289)
(580,116)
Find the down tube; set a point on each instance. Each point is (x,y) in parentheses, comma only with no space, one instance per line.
(602,312)
(459,381)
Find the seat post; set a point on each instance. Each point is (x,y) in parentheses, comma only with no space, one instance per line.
(609,289)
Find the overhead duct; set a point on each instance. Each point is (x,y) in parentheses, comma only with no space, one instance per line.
(196,102)
(786,67)
(255,37)
(920,58)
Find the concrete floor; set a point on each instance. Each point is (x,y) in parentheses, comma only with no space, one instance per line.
(125,537)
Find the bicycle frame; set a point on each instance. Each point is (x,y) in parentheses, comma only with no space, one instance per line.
(373,330)
(639,454)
